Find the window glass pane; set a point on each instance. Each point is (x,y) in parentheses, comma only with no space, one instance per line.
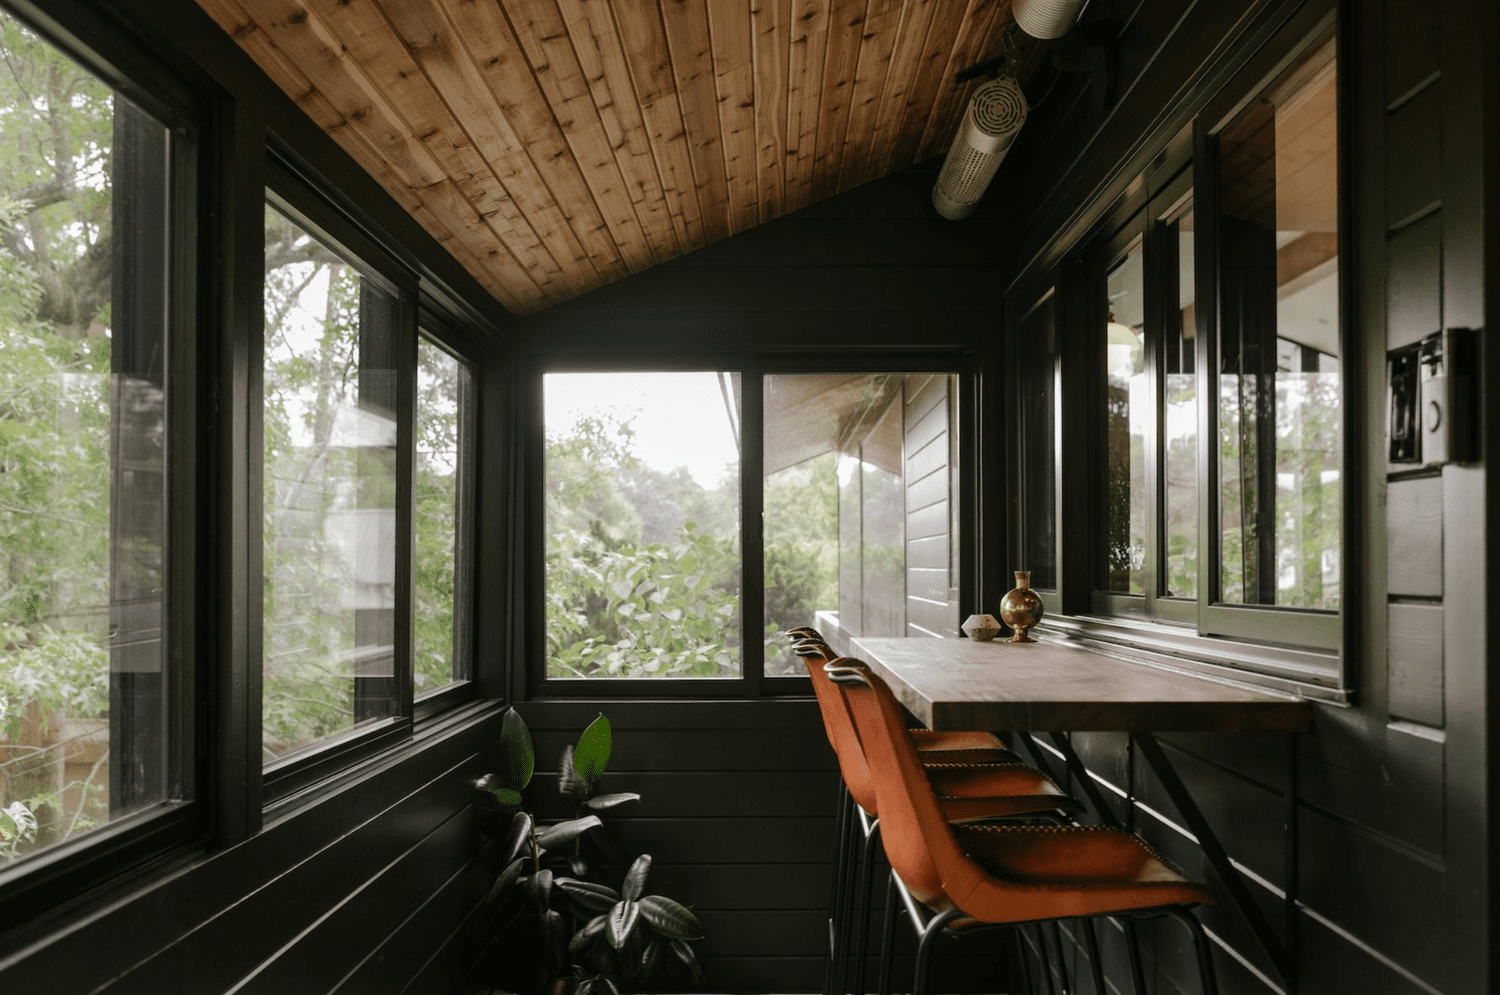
(1037,439)
(1129,413)
(643,525)
(444,438)
(1179,382)
(83,450)
(858,507)
(1279,374)
(330,494)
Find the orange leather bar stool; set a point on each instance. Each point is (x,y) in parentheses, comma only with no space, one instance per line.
(999,874)
(1001,788)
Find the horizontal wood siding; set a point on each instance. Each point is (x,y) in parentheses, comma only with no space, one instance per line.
(736,809)
(369,889)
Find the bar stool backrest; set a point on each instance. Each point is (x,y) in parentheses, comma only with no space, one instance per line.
(840,727)
(918,844)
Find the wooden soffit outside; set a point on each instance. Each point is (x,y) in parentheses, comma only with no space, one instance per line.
(553,146)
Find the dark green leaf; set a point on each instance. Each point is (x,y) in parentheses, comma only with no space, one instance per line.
(578,866)
(517,757)
(685,954)
(622,919)
(520,832)
(551,836)
(568,782)
(635,878)
(538,888)
(584,987)
(670,919)
(601,802)
(592,754)
(608,985)
(585,936)
(594,897)
(507,880)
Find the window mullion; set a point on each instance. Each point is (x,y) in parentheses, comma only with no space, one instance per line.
(1206,292)
(752,528)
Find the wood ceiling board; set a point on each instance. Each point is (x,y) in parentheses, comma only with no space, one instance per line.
(553,146)
(769,21)
(734,82)
(543,35)
(975,40)
(808,45)
(599,212)
(602,60)
(439,51)
(686,23)
(882,21)
(643,42)
(846,20)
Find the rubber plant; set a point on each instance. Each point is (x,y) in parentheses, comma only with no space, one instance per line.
(596,936)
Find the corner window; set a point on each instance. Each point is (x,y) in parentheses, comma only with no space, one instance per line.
(85,458)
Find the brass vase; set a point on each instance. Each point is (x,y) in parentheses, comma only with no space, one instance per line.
(1021,608)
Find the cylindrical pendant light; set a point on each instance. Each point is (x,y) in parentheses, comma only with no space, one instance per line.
(991,122)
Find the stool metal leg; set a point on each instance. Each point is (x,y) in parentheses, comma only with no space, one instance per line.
(862,941)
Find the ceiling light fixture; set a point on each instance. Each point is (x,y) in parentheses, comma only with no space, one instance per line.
(991,122)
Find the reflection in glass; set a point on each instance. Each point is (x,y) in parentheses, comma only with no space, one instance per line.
(441,568)
(1129,413)
(1180,403)
(330,494)
(858,506)
(1279,376)
(642,506)
(84,454)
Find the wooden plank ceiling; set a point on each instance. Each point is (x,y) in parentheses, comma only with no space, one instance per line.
(553,146)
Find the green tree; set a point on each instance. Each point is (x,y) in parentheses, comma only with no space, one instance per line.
(55,413)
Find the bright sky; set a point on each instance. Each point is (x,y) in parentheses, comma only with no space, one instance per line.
(679,418)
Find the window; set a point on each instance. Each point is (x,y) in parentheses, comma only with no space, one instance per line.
(853,515)
(858,506)
(85,458)
(1277,342)
(443,503)
(329,643)
(1217,529)
(643,525)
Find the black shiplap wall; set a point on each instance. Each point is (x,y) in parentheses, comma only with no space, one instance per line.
(368,890)
(1390,858)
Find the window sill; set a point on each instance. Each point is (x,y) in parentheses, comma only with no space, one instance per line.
(1309,674)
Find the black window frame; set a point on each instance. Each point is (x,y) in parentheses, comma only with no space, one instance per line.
(52,875)
(532,682)
(1284,648)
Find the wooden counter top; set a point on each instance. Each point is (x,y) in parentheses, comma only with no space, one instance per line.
(1060,686)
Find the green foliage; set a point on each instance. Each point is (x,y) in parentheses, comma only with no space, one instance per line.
(569,920)
(56,396)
